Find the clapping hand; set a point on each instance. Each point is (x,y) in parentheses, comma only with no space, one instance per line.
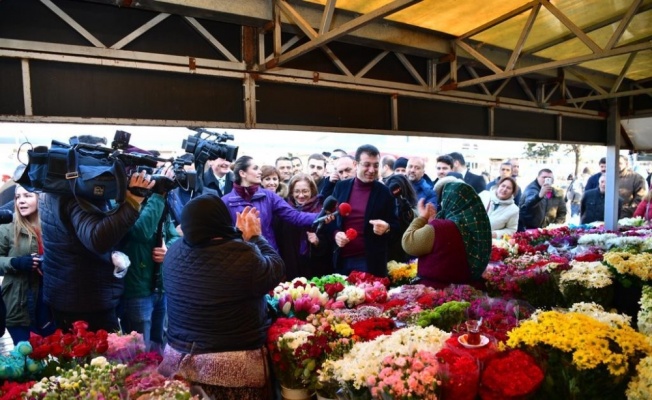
(427,211)
(248,221)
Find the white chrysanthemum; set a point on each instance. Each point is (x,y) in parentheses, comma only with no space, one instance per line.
(365,358)
(595,239)
(592,275)
(645,314)
(99,362)
(624,241)
(597,312)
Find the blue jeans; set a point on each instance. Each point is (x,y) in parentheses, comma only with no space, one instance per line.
(145,315)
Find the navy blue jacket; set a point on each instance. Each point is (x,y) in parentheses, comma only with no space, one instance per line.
(532,208)
(216,294)
(381,205)
(77,266)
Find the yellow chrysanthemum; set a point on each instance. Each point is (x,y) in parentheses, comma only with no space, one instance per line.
(639,265)
(585,338)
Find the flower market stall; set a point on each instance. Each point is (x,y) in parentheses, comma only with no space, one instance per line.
(567,314)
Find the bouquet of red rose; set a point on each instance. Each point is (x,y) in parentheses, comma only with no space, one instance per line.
(74,348)
(512,375)
(371,328)
(459,374)
(14,390)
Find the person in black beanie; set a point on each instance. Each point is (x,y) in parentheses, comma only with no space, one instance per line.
(400,166)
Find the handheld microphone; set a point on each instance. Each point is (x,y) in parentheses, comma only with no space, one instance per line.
(396,190)
(6,216)
(330,204)
(344,209)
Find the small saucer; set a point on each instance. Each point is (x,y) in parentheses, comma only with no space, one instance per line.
(483,342)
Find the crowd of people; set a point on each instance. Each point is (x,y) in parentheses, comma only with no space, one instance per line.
(189,269)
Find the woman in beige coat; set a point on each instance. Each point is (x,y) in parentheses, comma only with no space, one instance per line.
(501,209)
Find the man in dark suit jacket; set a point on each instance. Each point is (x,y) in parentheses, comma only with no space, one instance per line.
(372,216)
(219,177)
(477,182)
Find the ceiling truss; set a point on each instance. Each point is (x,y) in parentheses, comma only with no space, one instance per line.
(461,71)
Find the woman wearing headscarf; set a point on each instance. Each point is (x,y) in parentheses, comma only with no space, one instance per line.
(454,244)
(500,206)
(215,280)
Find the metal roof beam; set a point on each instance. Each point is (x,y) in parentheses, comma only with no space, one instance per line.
(524,34)
(570,25)
(624,23)
(550,65)
(587,29)
(341,30)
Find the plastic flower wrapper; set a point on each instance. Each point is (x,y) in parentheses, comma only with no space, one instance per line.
(510,375)
(124,348)
(283,338)
(587,282)
(581,356)
(401,273)
(360,313)
(365,358)
(145,383)
(530,277)
(408,300)
(407,377)
(459,373)
(499,316)
(299,298)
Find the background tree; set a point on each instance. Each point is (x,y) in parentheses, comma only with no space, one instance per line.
(547,150)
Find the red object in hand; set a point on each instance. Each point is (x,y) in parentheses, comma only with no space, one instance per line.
(344,210)
(351,234)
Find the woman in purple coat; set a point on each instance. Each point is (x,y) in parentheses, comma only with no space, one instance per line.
(247,192)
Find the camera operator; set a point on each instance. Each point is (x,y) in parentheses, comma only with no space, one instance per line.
(143,304)
(78,272)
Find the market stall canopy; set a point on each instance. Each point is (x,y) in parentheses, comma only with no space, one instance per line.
(509,69)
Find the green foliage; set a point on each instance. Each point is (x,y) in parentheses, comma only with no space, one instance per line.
(540,150)
(444,317)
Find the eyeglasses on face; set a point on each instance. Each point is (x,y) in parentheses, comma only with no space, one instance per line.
(298,191)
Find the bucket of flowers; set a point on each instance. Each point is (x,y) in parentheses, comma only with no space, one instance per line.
(364,361)
(530,277)
(582,356)
(510,375)
(299,298)
(587,282)
(400,273)
(64,350)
